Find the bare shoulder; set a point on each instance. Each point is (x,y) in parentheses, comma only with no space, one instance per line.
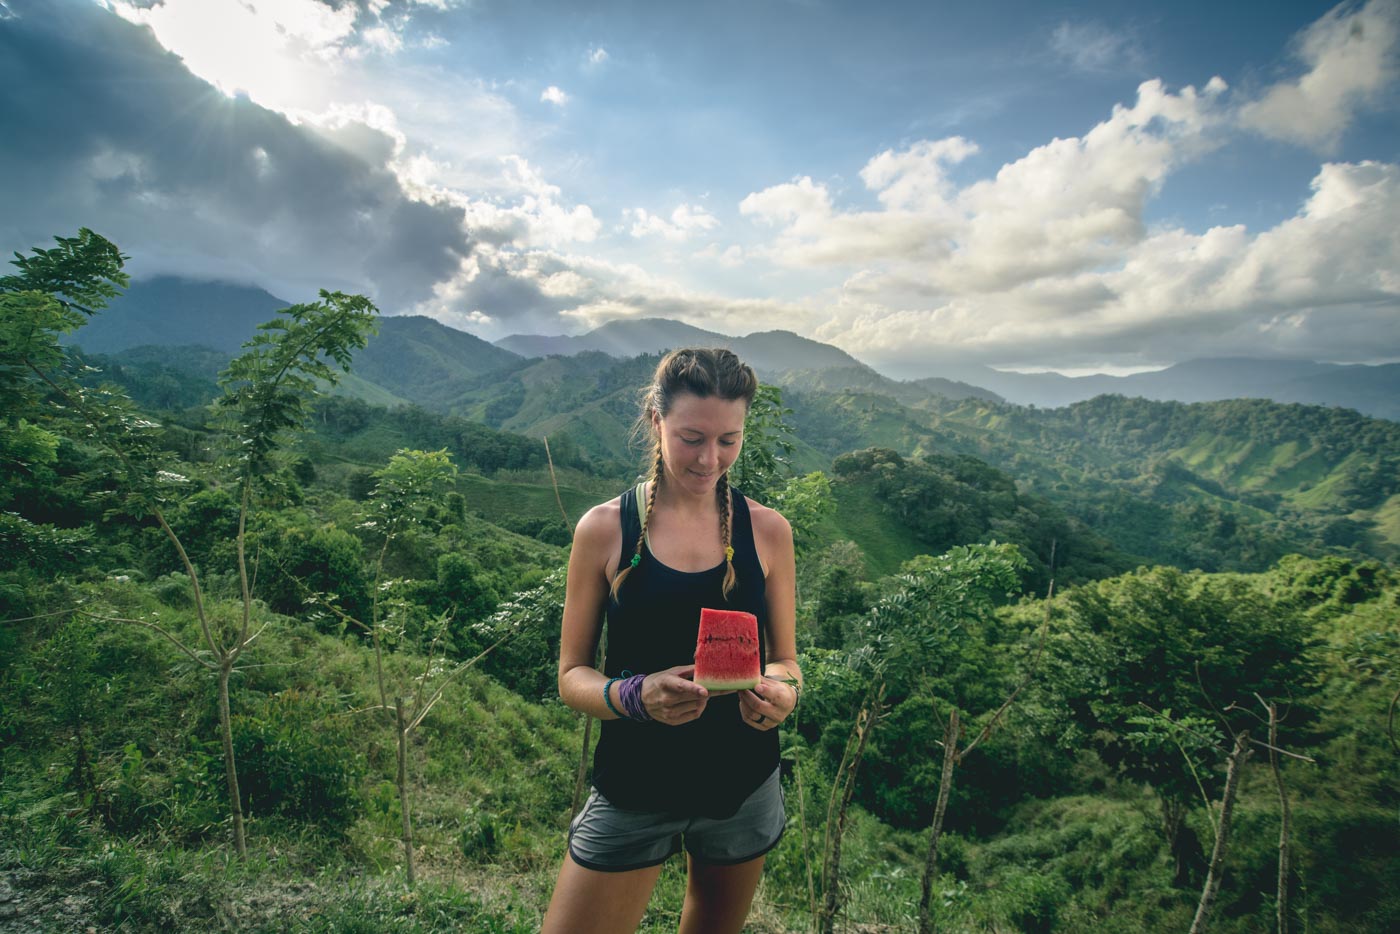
(600,525)
(769,525)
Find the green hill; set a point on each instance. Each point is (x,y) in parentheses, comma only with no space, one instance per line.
(423,361)
(1256,478)
(170,311)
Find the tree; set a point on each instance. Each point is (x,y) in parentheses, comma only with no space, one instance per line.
(768,434)
(267,394)
(1163,640)
(804,501)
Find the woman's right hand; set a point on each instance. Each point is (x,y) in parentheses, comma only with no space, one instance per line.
(672,697)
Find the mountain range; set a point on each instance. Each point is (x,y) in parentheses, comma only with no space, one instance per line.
(1255,477)
(421,352)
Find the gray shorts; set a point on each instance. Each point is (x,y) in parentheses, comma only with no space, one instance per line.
(611,839)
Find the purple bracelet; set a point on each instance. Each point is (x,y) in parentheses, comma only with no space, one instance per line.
(629,693)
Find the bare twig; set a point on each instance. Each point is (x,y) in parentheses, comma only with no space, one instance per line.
(452,675)
(403,790)
(154,628)
(1211,741)
(26,619)
(555,480)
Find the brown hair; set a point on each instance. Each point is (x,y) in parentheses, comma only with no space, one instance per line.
(701,372)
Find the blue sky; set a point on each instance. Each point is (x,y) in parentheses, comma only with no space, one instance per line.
(1087,186)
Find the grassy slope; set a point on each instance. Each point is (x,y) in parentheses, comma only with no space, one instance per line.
(859,517)
(492,776)
(1386,521)
(357,387)
(530,497)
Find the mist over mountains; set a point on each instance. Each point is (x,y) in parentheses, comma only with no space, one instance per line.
(169,311)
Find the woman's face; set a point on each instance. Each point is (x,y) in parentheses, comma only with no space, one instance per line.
(700,439)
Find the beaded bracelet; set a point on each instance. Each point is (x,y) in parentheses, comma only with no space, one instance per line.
(607,699)
(629,692)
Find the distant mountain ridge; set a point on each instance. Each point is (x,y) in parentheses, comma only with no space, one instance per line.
(769,352)
(1260,477)
(788,358)
(167,311)
(420,359)
(1370,389)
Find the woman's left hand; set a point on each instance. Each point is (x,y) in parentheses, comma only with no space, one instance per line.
(768,704)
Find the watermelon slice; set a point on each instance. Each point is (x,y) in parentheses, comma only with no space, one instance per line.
(726,654)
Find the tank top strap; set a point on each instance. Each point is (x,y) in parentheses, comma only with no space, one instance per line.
(741,535)
(631,523)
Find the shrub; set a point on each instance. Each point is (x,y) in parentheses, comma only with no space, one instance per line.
(296,762)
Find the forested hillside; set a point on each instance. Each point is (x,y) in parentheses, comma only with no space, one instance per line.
(277,658)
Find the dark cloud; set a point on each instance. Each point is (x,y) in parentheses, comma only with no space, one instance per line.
(103,128)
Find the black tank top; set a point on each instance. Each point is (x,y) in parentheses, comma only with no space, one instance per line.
(706,767)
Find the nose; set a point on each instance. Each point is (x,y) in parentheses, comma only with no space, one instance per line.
(709,455)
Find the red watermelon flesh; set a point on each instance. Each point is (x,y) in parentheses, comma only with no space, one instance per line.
(726,654)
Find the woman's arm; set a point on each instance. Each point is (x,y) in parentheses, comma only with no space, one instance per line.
(597,541)
(776,696)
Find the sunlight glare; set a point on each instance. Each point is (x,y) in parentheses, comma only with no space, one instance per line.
(277,52)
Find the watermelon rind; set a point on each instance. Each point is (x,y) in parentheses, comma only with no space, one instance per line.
(710,684)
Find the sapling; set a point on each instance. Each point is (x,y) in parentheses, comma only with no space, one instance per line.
(953,756)
(405,490)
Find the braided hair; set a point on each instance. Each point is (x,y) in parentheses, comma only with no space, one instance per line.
(704,373)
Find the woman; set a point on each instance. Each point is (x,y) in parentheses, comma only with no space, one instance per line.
(677,766)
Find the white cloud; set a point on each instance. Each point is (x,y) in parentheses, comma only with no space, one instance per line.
(597,55)
(287,55)
(1322,284)
(383,39)
(1095,47)
(729,257)
(685,221)
(1069,204)
(554,95)
(915,179)
(1350,56)
(1050,259)
(564,284)
(789,203)
(549,291)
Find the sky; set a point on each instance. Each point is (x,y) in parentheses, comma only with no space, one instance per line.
(1085,187)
